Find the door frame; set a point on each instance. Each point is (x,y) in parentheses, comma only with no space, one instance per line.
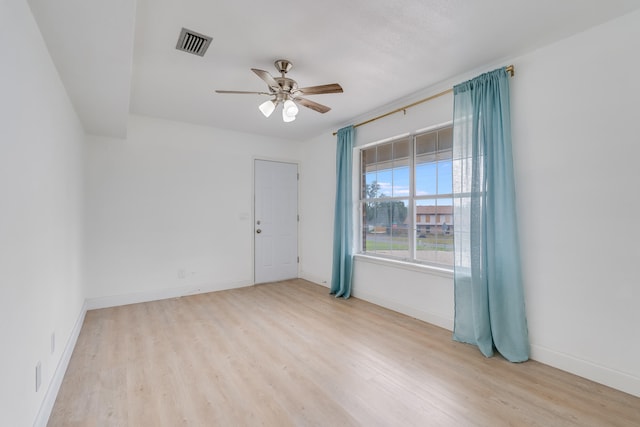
(253,208)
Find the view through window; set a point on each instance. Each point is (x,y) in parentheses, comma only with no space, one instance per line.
(406,198)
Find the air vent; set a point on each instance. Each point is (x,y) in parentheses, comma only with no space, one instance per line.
(192,42)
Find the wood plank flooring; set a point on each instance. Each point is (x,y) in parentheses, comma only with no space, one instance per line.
(289,354)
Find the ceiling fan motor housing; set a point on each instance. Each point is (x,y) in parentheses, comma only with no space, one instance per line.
(283,66)
(286,84)
(283,89)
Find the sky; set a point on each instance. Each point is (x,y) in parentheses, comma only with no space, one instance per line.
(432,178)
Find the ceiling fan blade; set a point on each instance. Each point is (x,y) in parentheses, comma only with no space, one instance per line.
(313,105)
(243,92)
(268,79)
(318,90)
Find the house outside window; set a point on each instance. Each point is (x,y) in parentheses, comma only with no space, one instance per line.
(406,200)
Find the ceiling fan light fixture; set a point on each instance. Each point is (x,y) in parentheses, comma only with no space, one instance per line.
(286,118)
(290,109)
(283,90)
(267,107)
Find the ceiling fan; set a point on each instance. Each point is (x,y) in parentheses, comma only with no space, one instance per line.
(284,90)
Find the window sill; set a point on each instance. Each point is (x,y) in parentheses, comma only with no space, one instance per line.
(405,265)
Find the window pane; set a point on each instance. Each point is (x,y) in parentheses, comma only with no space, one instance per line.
(434,237)
(376,228)
(369,159)
(375,239)
(426,145)
(398,211)
(371,187)
(445,177)
(445,141)
(445,145)
(369,172)
(400,186)
(366,181)
(386,171)
(384,181)
(385,153)
(426,174)
(426,171)
(386,228)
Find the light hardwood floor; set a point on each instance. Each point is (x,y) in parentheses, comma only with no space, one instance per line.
(288,353)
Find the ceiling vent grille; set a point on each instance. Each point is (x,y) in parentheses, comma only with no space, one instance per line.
(192,42)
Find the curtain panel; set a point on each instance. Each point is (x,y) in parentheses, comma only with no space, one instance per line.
(489,296)
(343,219)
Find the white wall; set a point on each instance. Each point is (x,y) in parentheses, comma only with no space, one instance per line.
(433,302)
(316,202)
(576,152)
(576,145)
(41,143)
(171,200)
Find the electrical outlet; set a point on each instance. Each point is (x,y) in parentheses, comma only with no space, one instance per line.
(53,342)
(38,376)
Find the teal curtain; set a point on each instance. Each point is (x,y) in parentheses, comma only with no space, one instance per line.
(489,296)
(343,219)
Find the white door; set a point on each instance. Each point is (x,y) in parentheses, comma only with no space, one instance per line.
(276,221)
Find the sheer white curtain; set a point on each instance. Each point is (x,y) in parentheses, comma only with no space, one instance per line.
(489,297)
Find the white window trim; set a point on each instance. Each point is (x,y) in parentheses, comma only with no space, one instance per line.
(414,265)
(405,265)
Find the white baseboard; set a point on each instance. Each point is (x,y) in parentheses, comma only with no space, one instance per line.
(56,381)
(315,279)
(583,368)
(586,369)
(615,379)
(425,316)
(111,301)
(155,295)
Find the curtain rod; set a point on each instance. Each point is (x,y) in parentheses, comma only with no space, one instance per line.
(509,70)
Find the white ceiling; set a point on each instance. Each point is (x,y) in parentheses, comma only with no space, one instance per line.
(119,56)
(91,43)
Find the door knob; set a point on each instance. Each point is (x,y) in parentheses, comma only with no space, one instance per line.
(258,231)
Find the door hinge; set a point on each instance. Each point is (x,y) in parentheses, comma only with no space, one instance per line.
(298,218)
(298,260)
(298,176)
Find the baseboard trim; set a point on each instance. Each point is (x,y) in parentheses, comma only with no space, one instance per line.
(315,279)
(583,368)
(155,295)
(618,380)
(56,381)
(425,316)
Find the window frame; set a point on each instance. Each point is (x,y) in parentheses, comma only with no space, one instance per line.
(411,260)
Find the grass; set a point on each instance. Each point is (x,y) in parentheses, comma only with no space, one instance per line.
(377,246)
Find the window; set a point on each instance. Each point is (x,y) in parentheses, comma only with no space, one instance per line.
(406,200)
